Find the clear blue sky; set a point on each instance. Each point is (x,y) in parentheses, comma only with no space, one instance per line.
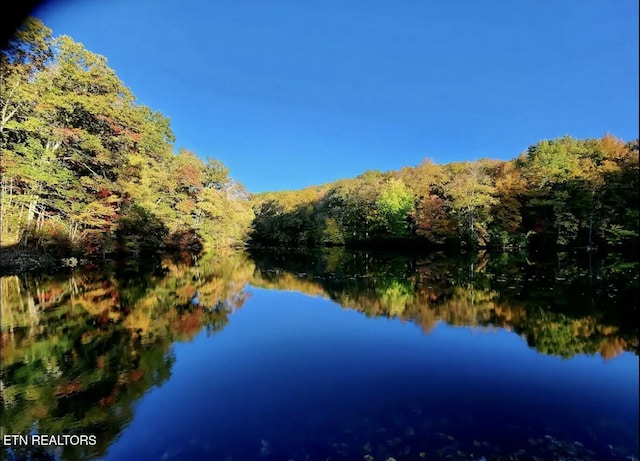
(295,93)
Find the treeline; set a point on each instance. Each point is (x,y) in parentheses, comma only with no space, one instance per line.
(86,168)
(561,192)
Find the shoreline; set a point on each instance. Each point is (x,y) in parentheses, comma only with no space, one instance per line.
(15,261)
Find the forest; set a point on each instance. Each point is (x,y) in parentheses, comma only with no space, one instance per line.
(88,170)
(561,192)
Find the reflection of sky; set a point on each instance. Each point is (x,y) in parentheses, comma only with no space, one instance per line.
(286,358)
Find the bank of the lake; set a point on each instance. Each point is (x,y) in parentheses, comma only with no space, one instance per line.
(18,261)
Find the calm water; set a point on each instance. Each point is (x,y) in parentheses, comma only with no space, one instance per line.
(327,355)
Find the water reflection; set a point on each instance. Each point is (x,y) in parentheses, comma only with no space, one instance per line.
(561,307)
(79,350)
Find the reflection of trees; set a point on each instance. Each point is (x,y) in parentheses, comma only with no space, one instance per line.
(278,280)
(78,351)
(559,309)
(73,369)
(558,334)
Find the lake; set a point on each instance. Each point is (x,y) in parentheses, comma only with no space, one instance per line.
(331,354)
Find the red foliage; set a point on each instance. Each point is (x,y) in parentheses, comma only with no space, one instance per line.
(47,295)
(117,129)
(433,220)
(103,319)
(94,244)
(108,400)
(136,375)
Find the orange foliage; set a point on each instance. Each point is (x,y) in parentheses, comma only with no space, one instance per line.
(68,388)
(189,323)
(612,347)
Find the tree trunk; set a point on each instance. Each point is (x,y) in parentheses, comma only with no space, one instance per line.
(32,209)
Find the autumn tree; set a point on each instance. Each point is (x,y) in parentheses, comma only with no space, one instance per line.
(80,152)
(472,195)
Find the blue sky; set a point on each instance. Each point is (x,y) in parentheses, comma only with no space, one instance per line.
(295,93)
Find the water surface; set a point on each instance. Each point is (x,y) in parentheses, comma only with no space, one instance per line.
(327,355)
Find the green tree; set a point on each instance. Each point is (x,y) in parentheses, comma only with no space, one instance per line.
(394,203)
